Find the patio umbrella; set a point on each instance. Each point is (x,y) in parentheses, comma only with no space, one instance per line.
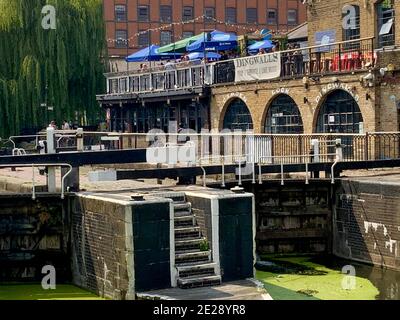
(214,41)
(200,55)
(265,44)
(179,46)
(151,54)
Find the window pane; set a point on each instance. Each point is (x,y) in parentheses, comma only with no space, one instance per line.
(251,14)
(143,38)
(187,34)
(352,30)
(143,13)
(121,39)
(231,15)
(209,13)
(166,13)
(165,38)
(271,16)
(187,13)
(292,17)
(386,23)
(120,13)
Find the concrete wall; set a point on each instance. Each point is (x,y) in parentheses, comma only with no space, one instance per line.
(102,252)
(121,246)
(366,223)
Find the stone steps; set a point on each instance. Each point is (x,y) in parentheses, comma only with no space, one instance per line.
(189,243)
(195,282)
(187,232)
(195,267)
(204,269)
(183,258)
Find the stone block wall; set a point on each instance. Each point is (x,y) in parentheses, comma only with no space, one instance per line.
(34,234)
(100,253)
(366,222)
(293,218)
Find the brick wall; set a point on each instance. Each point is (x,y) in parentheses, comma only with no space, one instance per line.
(99,247)
(366,223)
(327,15)
(259,96)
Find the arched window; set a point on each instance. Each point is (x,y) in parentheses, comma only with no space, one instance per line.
(283,116)
(238,117)
(339,113)
(386,23)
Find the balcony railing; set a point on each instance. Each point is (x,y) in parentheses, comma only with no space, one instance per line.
(339,57)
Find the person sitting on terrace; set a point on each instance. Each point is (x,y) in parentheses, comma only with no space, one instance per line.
(224,56)
(262,51)
(169,65)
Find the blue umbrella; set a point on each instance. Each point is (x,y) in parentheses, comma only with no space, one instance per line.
(200,55)
(265,44)
(214,41)
(151,54)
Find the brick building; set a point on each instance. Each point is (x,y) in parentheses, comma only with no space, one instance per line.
(347,81)
(126,18)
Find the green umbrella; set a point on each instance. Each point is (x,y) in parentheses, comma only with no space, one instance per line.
(179,46)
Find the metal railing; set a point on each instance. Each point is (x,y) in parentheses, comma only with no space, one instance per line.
(338,57)
(356,147)
(33,166)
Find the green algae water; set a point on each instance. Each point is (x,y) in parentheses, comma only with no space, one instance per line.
(35,292)
(288,277)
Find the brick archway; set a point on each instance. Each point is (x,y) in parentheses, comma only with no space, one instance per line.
(270,104)
(225,109)
(339,106)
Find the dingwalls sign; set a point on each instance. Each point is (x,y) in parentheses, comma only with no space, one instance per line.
(261,67)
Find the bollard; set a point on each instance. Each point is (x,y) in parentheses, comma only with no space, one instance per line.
(51,171)
(339,150)
(79,139)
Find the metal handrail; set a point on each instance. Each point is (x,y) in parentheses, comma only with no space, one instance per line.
(290,156)
(33,165)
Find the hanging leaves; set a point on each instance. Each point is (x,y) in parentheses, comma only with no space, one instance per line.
(63,67)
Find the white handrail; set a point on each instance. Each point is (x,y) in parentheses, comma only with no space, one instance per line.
(33,165)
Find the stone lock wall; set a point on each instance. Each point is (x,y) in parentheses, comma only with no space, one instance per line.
(366,222)
(293,218)
(100,250)
(34,234)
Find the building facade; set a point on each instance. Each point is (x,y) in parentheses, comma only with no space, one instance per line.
(171,20)
(346,81)
(350,86)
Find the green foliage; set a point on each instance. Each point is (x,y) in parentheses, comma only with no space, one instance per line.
(69,61)
(204,246)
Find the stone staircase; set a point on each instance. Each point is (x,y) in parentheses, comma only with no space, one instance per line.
(195,267)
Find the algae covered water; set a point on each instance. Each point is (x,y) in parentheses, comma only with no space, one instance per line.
(288,277)
(19,291)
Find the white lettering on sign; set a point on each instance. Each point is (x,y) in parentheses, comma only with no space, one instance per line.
(280,91)
(234,95)
(260,67)
(336,86)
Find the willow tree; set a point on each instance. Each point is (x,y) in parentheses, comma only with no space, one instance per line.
(63,66)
